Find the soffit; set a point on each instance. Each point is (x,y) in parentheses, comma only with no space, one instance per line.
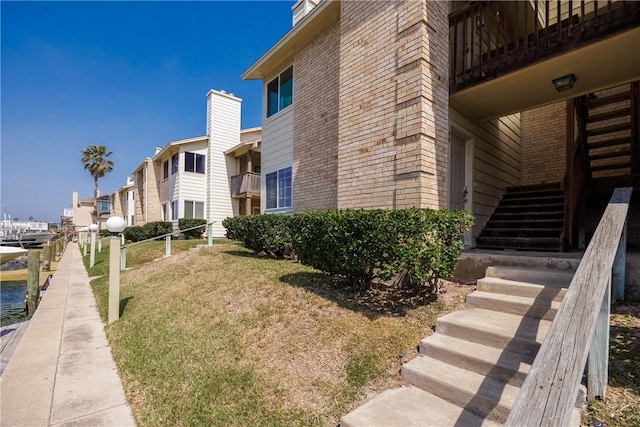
(597,66)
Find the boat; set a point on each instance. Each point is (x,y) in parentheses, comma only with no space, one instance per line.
(9,253)
(24,234)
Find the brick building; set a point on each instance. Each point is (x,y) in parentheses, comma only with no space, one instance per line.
(395,104)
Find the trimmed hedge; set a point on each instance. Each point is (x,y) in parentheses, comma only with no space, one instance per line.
(263,233)
(147,231)
(184,223)
(361,244)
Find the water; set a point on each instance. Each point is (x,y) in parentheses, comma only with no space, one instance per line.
(12,297)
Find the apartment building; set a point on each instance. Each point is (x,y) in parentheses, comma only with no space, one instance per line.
(199,177)
(396,104)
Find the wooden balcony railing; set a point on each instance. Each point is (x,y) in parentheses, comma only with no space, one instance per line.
(245,184)
(579,334)
(489,38)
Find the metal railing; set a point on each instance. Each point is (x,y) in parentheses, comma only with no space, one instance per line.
(490,37)
(579,334)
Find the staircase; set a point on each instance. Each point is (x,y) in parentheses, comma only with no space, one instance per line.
(529,217)
(608,134)
(469,372)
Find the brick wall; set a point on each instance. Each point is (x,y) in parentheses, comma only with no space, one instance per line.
(315,147)
(393,107)
(544,144)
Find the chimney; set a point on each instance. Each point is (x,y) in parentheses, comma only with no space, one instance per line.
(301,8)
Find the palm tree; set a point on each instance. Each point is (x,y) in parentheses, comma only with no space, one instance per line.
(95,160)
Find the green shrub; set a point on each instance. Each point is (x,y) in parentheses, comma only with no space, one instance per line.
(148,231)
(185,223)
(360,244)
(262,233)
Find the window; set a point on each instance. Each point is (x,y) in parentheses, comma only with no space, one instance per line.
(165,169)
(174,210)
(280,92)
(194,162)
(193,209)
(279,189)
(165,212)
(174,164)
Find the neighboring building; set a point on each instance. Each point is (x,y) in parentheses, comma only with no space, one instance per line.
(80,213)
(397,104)
(122,202)
(244,164)
(196,177)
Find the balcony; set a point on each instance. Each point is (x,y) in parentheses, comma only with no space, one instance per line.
(245,185)
(491,39)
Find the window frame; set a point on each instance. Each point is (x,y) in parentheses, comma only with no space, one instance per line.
(165,169)
(282,193)
(175,163)
(196,161)
(194,209)
(274,88)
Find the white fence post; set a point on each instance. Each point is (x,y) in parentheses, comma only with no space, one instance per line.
(618,269)
(167,252)
(210,235)
(123,258)
(598,361)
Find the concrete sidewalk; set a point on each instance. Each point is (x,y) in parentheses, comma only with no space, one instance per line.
(62,372)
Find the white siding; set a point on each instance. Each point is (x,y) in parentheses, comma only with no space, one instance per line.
(277,147)
(223,130)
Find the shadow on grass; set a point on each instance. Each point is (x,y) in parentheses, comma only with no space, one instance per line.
(374,301)
(246,254)
(123,304)
(624,351)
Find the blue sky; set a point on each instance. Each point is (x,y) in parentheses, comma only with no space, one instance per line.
(128,75)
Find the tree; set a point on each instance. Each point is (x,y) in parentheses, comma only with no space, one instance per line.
(95,159)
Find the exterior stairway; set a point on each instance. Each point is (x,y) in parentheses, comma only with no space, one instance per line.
(529,217)
(609,134)
(469,372)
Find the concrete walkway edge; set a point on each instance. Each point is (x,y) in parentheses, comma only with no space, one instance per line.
(62,372)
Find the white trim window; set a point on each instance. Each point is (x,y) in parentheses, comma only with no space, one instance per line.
(193,209)
(174,210)
(280,92)
(278,189)
(194,162)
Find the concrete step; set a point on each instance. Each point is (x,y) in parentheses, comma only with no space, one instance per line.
(495,329)
(503,365)
(522,289)
(513,304)
(541,276)
(411,406)
(486,396)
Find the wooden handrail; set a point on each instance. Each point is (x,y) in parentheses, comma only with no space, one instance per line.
(579,331)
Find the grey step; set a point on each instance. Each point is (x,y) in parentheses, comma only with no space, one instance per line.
(521,289)
(495,329)
(411,406)
(540,276)
(485,396)
(501,364)
(523,306)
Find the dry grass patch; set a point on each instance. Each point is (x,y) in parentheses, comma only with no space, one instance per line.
(622,407)
(223,337)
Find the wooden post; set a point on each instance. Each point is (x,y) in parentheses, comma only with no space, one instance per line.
(167,246)
(47,257)
(598,362)
(33,281)
(618,269)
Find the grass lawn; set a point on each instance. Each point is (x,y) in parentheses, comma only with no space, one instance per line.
(220,336)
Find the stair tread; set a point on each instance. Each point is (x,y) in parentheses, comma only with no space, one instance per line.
(607,115)
(532,307)
(609,129)
(610,166)
(478,357)
(610,154)
(461,386)
(536,275)
(522,289)
(609,99)
(496,323)
(612,142)
(411,406)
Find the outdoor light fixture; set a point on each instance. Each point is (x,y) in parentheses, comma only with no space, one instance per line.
(564,83)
